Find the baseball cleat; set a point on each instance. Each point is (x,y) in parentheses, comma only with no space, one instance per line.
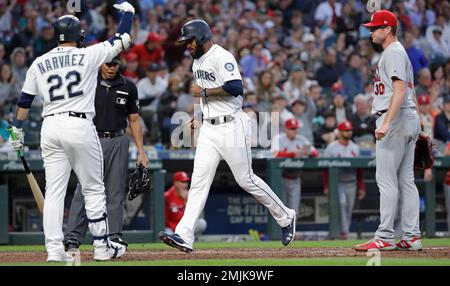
(71,245)
(288,232)
(109,251)
(174,240)
(60,257)
(120,241)
(375,244)
(414,244)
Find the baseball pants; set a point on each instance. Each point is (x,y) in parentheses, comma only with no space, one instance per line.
(395,176)
(292,189)
(347,195)
(71,143)
(115,153)
(232,142)
(447,204)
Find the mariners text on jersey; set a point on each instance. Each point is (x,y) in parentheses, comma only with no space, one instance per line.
(62,61)
(200,74)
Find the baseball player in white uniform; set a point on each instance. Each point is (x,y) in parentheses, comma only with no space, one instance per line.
(225,133)
(66,78)
(290,144)
(398,127)
(349,180)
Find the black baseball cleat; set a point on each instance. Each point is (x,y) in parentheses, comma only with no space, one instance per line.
(288,232)
(174,240)
(120,241)
(71,244)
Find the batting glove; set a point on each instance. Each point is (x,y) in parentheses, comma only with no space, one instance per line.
(124,7)
(18,143)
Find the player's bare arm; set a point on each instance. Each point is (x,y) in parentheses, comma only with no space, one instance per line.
(136,132)
(399,92)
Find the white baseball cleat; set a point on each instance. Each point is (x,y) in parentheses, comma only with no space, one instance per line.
(414,244)
(107,252)
(60,257)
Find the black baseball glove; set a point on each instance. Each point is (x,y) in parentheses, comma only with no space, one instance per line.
(424,153)
(139,182)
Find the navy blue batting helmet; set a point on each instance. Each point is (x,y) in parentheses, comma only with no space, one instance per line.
(68,29)
(197,29)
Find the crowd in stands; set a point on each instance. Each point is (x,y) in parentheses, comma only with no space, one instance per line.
(302,58)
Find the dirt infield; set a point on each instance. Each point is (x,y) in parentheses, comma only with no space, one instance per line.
(219,254)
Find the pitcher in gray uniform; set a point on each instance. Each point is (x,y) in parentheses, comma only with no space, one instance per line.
(398,127)
(116,101)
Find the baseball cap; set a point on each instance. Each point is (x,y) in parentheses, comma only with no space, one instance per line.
(180,177)
(153,67)
(298,101)
(131,57)
(291,123)
(308,38)
(345,126)
(154,37)
(382,18)
(423,99)
(296,68)
(115,60)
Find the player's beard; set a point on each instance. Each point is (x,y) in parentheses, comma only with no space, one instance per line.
(346,138)
(199,52)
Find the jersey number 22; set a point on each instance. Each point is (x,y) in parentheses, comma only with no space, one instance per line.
(55,81)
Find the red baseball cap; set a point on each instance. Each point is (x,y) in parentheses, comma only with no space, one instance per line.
(291,123)
(131,57)
(345,126)
(423,99)
(382,18)
(181,177)
(154,37)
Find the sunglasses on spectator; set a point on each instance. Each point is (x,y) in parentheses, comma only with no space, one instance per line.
(112,64)
(373,29)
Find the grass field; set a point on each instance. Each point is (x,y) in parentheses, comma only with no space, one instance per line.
(436,252)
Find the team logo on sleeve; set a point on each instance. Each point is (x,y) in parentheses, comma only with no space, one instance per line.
(229,67)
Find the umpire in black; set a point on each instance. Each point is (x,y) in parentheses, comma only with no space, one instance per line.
(116,100)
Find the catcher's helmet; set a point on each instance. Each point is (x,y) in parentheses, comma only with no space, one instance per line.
(197,29)
(68,29)
(139,182)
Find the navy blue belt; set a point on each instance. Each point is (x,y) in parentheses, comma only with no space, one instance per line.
(71,114)
(110,134)
(381,112)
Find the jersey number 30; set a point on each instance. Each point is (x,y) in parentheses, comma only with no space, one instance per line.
(379,88)
(55,81)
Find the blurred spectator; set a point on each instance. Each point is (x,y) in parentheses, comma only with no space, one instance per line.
(305,111)
(186,102)
(167,107)
(175,200)
(266,90)
(132,70)
(424,82)
(18,64)
(2,54)
(426,116)
(340,106)
(363,122)
(150,89)
(327,13)
(4,135)
(290,144)
(438,36)
(6,20)
(326,133)
(311,55)
(442,125)
(329,73)
(349,180)
(296,86)
(9,88)
(151,51)
(45,42)
(254,62)
(352,79)
(417,58)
